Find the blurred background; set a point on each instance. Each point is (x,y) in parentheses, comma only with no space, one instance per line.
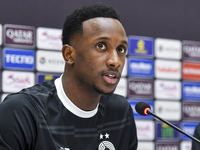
(162,66)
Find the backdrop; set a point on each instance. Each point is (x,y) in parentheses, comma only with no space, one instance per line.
(169,19)
(155,18)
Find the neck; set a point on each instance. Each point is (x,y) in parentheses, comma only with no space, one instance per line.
(85,99)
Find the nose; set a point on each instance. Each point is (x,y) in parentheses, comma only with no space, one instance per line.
(113,59)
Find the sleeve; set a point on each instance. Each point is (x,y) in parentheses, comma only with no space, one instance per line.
(17,123)
(133,137)
(195,145)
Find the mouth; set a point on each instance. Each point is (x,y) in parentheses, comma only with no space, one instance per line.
(111,77)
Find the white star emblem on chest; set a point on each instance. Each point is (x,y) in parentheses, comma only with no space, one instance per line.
(101,136)
(107,136)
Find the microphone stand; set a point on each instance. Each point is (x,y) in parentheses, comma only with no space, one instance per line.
(168,123)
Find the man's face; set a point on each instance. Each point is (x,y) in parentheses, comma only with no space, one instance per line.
(100,54)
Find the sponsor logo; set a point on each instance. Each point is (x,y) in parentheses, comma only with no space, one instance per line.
(191,50)
(140,88)
(166,69)
(15,81)
(167,48)
(43,77)
(146,146)
(121,88)
(189,128)
(49,61)
(19,59)
(49,38)
(138,116)
(191,110)
(140,67)
(141,46)
(191,71)
(186,145)
(0,34)
(168,110)
(19,36)
(167,89)
(167,146)
(165,132)
(190,91)
(145,129)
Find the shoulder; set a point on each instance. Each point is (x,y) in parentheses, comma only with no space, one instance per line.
(44,87)
(41,93)
(31,97)
(17,103)
(197,130)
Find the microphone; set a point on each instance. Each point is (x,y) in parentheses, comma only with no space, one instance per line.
(144,109)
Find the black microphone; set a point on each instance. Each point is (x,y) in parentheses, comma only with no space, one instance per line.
(144,109)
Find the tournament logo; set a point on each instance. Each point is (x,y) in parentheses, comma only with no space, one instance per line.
(20,59)
(191,71)
(191,50)
(141,46)
(189,128)
(140,68)
(191,91)
(49,38)
(19,36)
(168,48)
(165,132)
(140,88)
(43,77)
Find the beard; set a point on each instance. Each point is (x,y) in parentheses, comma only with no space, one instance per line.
(101,91)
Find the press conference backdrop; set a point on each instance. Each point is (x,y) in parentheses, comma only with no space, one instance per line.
(162,65)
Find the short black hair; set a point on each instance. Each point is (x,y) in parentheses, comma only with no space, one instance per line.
(73,24)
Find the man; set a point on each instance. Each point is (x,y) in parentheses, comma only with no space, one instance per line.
(78,110)
(195,145)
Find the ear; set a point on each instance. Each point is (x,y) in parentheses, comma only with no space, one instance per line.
(68,54)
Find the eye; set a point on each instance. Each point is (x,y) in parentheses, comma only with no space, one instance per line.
(121,50)
(101,46)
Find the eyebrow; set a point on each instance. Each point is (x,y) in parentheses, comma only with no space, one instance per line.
(108,39)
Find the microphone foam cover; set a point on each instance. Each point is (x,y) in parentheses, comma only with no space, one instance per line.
(140,108)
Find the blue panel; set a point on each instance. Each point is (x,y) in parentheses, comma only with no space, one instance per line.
(19,59)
